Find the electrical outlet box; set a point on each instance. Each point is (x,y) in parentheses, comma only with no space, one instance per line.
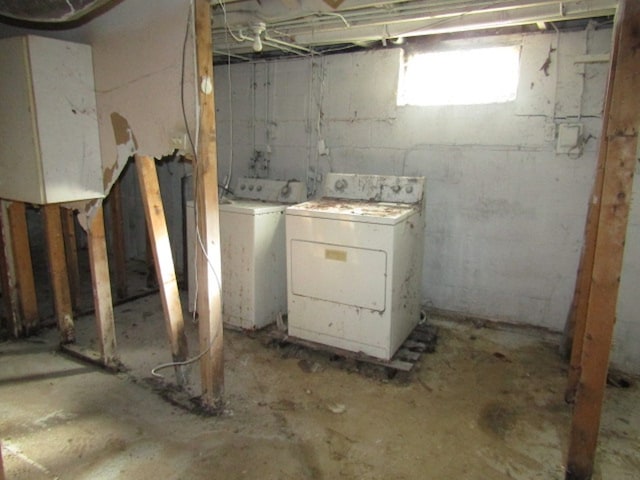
(569,138)
(180,141)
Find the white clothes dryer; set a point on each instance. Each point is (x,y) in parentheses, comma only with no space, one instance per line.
(354,263)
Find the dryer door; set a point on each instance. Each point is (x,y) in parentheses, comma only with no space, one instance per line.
(340,274)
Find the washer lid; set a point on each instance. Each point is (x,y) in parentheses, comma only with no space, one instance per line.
(354,211)
(250,207)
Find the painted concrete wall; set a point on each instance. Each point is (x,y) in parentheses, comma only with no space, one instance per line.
(505,212)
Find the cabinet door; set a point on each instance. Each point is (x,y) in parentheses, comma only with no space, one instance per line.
(63,89)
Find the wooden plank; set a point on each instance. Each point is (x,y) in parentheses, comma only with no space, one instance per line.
(208,270)
(407,355)
(574,331)
(152,277)
(71,250)
(10,294)
(91,356)
(159,239)
(117,239)
(620,133)
(23,267)
(58,273)
(396,363)
(2,477)
(99,263)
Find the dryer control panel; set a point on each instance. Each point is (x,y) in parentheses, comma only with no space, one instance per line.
(280,191)
(374,188)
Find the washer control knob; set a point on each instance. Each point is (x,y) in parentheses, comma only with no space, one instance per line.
(396,188)
(251,188)
(341,184)
(242,186)
(285,191)
(408,188)
(259,188)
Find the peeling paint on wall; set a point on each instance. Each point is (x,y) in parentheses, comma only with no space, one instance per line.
(126,146)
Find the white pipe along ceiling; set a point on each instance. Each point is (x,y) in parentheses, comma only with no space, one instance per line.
(246,28)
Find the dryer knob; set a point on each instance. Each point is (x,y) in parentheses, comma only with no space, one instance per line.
(259,188)
(242,186)
(396,188)
(408,188)
(285,191)
(251,188)
(341,184)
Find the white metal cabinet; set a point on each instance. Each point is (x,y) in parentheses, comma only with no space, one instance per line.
(50,149)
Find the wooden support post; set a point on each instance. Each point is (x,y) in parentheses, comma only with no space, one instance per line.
(4,281)
(117,237)
(71,249)
(58,272)
(2,477)
(10,294)
(207,220)
(159,237)
(152,276)
(620,138)
(23,267)
(98,260)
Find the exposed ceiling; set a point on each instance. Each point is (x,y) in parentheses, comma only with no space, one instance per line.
(307,26)
(248,29)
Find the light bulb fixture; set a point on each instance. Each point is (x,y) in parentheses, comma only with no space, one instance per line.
(257,44)
(258,28)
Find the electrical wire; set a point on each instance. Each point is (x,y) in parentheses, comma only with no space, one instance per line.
(228,31)
(196,165)
(182,73)
(162,366)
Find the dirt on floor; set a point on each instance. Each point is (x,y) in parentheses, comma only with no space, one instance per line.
(488,404)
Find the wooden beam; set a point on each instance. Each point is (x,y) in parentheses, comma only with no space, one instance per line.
(117,238)
(71,249)
(99,263)
(1,464)
(573,335)
(23,267)
(207,220)
(152,276)
(620,138)
(58,273)
(159,236)
(10,294)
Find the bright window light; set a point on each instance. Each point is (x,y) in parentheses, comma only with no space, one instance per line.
(460,77)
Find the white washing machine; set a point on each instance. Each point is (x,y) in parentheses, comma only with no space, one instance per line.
(253,253)
(354,263)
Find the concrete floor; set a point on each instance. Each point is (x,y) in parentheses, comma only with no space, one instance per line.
(487,405)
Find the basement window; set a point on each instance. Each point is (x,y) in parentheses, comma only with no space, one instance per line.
(460,77)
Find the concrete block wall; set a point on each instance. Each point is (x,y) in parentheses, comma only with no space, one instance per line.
(505,212)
